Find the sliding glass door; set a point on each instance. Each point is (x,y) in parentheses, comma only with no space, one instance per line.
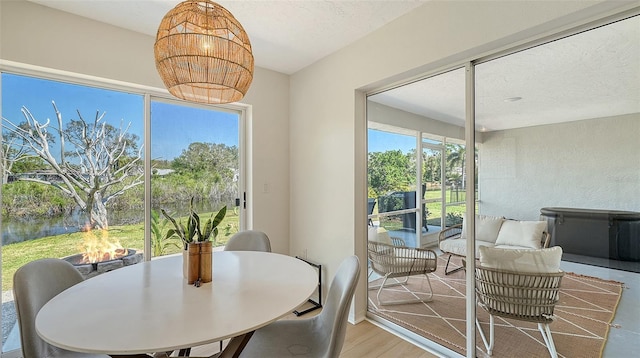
(555,125)
(195,157)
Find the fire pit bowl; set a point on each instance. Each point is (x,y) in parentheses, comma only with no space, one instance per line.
(89,270)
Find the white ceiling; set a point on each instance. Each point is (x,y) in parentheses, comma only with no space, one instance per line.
(286,35)
(589,75)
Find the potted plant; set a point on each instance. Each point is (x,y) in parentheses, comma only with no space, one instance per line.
(197,242)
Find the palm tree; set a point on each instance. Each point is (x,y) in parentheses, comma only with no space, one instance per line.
(456,155)
(456,159)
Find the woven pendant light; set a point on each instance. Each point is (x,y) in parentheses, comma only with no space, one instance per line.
(203,54)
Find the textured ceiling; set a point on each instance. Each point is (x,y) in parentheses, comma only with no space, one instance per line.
(286,35)
(589,75)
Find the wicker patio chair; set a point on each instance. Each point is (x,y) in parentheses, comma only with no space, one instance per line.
(398,241)
(529,297)
(452,232)
(391,261)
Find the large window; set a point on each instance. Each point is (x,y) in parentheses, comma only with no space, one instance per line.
(74,171)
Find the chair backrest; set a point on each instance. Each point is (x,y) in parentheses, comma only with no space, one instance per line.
(381,257)
(331,323)
(248,240)
(524,296)
(371,203)
(521,284)
(545,240)
(34,284)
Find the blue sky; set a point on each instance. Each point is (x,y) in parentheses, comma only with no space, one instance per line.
(380,141)
(173,127)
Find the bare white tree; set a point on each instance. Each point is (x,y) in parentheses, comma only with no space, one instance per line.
(105,161)
(12,150)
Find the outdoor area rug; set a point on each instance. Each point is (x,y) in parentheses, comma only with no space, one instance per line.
(583,316)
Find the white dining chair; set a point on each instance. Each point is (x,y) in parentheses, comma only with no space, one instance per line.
(318,336)
(248,240)
(34,284)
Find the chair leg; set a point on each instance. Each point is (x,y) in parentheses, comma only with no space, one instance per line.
(543,327)
(488,345)
(548,340)
(454,270)
(401,283)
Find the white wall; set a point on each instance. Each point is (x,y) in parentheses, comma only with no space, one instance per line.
(37,35)
(327,120)
(591,164)
(382,114)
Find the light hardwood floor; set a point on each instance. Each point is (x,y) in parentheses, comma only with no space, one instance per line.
(368,340)
(362,340)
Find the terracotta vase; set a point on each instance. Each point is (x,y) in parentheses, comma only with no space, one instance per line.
(206,261)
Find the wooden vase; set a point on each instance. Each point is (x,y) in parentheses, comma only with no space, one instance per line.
(193,262)
(206,261)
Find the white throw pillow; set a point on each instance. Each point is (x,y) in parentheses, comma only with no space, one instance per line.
(519,260)
(487,228)
(521,233)
(379,234)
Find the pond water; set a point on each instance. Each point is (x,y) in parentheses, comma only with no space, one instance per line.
(34,228)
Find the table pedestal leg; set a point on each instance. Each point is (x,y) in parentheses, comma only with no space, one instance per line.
(235,346)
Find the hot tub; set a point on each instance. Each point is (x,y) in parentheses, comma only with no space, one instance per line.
(609,234)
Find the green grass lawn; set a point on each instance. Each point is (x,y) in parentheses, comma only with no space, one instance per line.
(58,246)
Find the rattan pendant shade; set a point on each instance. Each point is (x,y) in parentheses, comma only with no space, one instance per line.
(203,54)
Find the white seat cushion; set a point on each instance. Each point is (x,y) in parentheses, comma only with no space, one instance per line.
(519,260)
(521,233)
(459,246)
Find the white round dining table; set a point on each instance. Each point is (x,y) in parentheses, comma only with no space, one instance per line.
(149,307)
